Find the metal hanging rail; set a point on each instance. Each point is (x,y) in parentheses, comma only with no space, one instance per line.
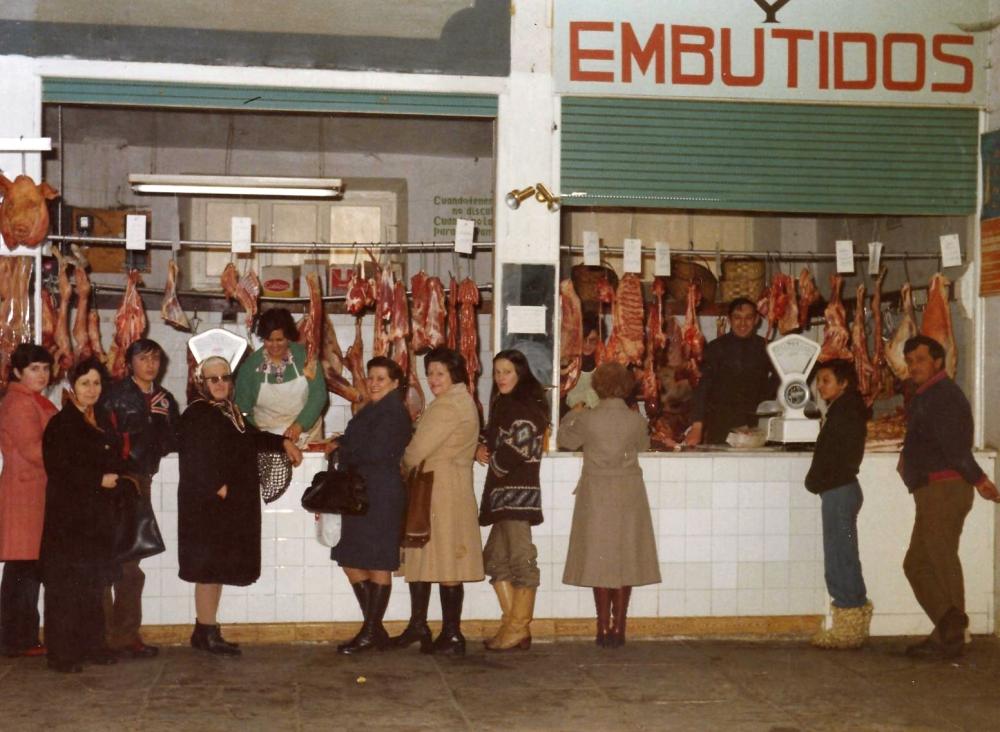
(263,246)
(773,256)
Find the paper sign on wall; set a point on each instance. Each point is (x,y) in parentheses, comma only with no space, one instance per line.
(464,229)
(874,257)
(951,251)
(591,249)
(526,319)
(661,267)
(845,256)
(240,233)
(632,259)
(135,232)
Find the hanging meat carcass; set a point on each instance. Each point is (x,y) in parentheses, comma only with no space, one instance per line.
(808,295)
(245,290)
(333,362)
(782,309)
(436,313)
(937,321)
(453,314)
(130,324)
(399,327)
(311,326)
(468,299)
(94,332)
(24,213)
(354,360)
(626,344)
(649,383)
(171,310)
(49,324)
(692,339)
(882,385)
(359,294)
(421,304)
(384,299)
(64,345)
(863,366)
(15,321)
(414,393)
(81,323)
(906,329)
(835,334)
(570,336)
(605,296)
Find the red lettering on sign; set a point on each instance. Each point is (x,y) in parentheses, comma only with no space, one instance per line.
(793,37)
(920,48)
(703,48)
(643,55)
(824,60)
(577,54)
(951,59)
(731,79)
(840,41)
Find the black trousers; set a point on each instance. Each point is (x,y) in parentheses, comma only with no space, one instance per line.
(19,605)
(74,612)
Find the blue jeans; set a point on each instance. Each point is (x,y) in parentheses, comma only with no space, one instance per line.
(840,545)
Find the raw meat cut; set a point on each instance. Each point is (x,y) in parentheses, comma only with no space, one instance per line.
(882,380)
(605,296)
(15,321)
(311,326)
(414,393)
(468,299)
(384,297)
(171,310)
(808,295)
(245,290)
(130,324)
(626,344)
(570,336)
(859,349)
(359,293)
(421,303)
(24,213)
(692,339)
(453,314)
(782,310)
(436,313)
(94,333)
(906,329)
(835,334)
(937,321)
(355,362)
(399,327)
(64,345)
(81,334)
(48,323)
(332,361)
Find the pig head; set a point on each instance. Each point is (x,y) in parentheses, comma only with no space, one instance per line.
(24,215)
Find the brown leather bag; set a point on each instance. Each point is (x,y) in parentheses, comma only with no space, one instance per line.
(417,522)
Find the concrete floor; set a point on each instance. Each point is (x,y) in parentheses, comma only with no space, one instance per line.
(653,685)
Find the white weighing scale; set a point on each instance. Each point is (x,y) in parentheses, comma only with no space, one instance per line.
(793,358)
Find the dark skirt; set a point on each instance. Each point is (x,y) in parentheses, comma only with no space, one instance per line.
(372,541)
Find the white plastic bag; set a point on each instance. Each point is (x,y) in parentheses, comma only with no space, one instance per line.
(328,529)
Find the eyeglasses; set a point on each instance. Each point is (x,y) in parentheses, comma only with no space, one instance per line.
(226,378)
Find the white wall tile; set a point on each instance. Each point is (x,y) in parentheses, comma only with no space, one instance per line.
(776,602)
(750,602)
(698,470)
(672,522)
(775,575)
(698,522)
(750,575)
(725,603)
(724,576)
(753,469)
(776,522)
(672,575)
(290,608)
(698,549)
(751,521)
(672,603)
(698,602)
(751,548)
(725,522)
(776,548)
(725,469)
(698,495)
(751,495)
(725,494)
(776,495)
(290,581)
(725,548)
(698,576)
(802,575)
(672,548)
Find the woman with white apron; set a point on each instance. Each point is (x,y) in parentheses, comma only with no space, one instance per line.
(272,389)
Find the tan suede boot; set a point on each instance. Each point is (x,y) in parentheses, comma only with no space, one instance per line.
(516,633)
(505,595)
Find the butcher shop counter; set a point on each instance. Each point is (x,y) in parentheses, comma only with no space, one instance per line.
(739,539)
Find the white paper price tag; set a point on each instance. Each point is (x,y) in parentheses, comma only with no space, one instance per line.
(874,257)
(464,229)
(661,267)
(591,249)
(240,229)
(632,259)
(845,256)
(951,251)
(526,319)
(135,232)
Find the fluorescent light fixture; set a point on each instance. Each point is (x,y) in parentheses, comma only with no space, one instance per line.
(25,144)
(235,185)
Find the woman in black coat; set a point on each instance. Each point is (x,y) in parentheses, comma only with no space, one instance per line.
(82,460)
(218,498)
(369,546)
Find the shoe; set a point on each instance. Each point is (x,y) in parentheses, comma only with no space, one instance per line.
(451,641)
(417,629)
(602,601)
(619,611)
(209,638)
(516,634)
(372,634)
(29,652)
(361,594)
(102,657)
(951,631)
(140,650)
(929,647)
(848,631)
(505,596)
(64,667)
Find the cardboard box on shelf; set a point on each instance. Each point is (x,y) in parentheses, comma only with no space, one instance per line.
(320,268)
(279,281)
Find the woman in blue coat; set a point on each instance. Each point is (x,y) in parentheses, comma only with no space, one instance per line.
(369,546)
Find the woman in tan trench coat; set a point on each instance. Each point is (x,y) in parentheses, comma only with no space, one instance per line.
(611,542)
(445,441)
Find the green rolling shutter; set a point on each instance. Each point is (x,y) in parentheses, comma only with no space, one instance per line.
(221,96)
(805,158)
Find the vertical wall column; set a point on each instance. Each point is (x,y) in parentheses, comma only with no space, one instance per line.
(21,92)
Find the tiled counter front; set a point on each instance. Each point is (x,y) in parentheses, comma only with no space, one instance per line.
(737,534)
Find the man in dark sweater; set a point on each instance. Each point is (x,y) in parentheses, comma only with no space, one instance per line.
(145,417)
(940,471)
(736,376)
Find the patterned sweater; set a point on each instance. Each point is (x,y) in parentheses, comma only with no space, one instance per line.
(514,437)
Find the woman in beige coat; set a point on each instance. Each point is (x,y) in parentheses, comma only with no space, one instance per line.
(611,542)
(445,442)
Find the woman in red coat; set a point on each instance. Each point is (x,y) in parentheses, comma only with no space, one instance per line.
(24,412)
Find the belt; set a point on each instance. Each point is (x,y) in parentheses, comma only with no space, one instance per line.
(943,475)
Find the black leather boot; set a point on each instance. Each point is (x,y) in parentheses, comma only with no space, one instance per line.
(451,641)
(209,638)
(372,634)
(417,629)
(361,593)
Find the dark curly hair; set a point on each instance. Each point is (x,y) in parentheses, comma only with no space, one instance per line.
(392,368)
(277,319)
(451,360)
(84,367)
(25,355)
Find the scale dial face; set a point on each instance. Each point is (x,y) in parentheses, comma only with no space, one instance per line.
(796,394)
(793,354)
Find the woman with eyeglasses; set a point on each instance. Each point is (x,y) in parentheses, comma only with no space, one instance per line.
(218,499)
(272,388)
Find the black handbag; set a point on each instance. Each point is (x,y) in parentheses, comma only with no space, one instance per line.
(137,535)
(274,470)
(337,490)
